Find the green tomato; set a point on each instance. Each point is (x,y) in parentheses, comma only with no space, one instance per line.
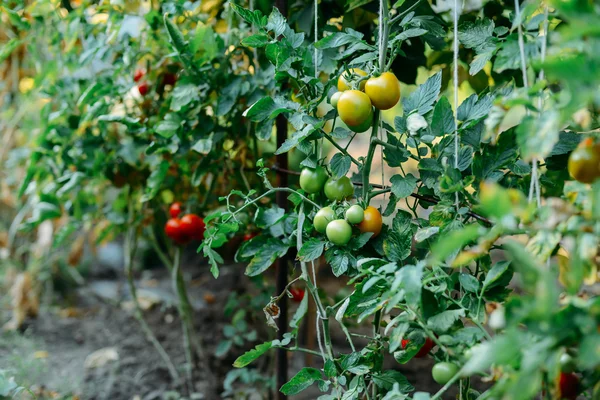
(335,98)
(339,232)
(322,218)
(442,372)
(312,180)
(339,189)
(355,214)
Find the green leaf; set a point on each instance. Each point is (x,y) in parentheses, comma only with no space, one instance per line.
(486,165)
(169,126)
(425,233)
(175,36)
(8,48)
(589,352)
(338,39)
(398,241)
(132,122)
(352,4)
(395,156)
(443,321)
(475,108)
(537,136)
(183,95)
(501,350)
(469,283)
(442,122)
(252,355)
(453,241)
(497,271)
(259,40)
(340,165)
(403,186)
(253,17)
(266,256)
(204,45)
(295,139)
(423,98)
(265,218)
(302,380)
(155,181)
(311,250)
(387,379)
(338,259)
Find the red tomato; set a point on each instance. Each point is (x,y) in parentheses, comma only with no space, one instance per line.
(427,346)
(568,386)
(169,79)
(192,226)
(139,74)
(297,294)
(143,88)
(250,235)
(175,210)
(174,231)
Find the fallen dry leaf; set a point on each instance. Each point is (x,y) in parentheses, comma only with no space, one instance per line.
(101,357)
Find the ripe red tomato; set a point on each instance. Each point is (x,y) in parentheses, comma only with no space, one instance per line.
(423,351)
(568,386)
(384,91)
(143,88)
(169,79)
(250,235)
(139,74)
(175,210)
(174,230)
(192,226)
(297,294)
(372,221)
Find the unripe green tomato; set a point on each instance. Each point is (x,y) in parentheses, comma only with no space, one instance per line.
(355,214)
(312,180)
(322,218)
(442,372)
(339,189)
(335,98)
(339,232)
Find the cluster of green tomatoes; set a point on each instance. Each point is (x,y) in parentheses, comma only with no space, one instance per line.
(338,226)
(355,107)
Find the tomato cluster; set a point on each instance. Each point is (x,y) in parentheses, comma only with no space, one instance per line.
(339,231)
(584,161)
(315,180)
(187,228)
(355,107)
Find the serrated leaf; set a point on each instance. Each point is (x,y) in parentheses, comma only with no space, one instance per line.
(340,165)
(403,186)
(259,40)
(155,181)
(423,98)
(302,380)
(443,321)
(252,355)
(311,250)
(442,122)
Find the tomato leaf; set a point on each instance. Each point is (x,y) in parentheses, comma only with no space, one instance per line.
(252,355)
(340,165)
(403,186)
(302,380)
(443,321)
(311,250)
(422,99)
(387,379)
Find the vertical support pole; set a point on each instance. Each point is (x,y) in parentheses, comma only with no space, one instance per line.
(281,265)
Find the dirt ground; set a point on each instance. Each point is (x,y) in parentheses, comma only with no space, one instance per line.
(96,349)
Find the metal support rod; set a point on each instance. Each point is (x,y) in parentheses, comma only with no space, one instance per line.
(281,265)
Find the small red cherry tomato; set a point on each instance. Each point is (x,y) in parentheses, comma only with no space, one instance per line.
(297,294)
(568,386)
(250,235)
(192,226)
(174,230)
(423,351)
(143,88)
(175,210)
(139,74)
